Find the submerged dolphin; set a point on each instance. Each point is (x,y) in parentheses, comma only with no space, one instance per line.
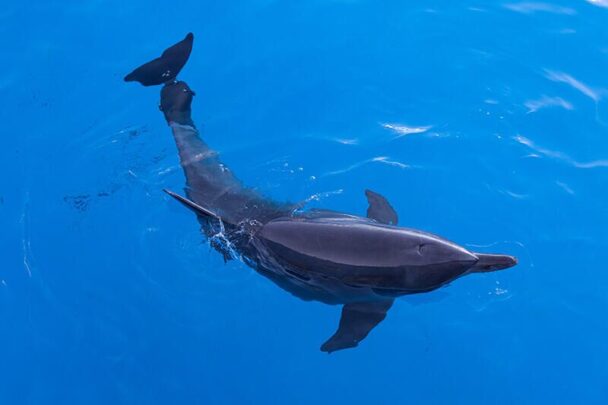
(360,263)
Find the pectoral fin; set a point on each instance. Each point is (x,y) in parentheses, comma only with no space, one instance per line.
(357,320)
(380,209)
(202,211)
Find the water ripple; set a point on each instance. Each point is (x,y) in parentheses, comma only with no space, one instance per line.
(562,77)
(532,7)
(26,239)
(513,194)
(565,187)
(561,156)
(402,130)
(386,160)
(546,102)
(599,3)
(379,159)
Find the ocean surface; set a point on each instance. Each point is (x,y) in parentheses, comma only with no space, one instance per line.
(482,121)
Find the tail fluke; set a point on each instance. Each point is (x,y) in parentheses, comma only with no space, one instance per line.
(165,68)
(488,262)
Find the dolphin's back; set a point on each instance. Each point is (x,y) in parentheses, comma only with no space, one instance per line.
(363,252)
(213,186)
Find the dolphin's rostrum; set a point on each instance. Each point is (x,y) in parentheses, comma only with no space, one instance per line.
(362,263)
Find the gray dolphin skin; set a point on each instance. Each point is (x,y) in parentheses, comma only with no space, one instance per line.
(361,263)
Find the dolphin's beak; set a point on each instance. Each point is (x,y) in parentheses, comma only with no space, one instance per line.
(489,262)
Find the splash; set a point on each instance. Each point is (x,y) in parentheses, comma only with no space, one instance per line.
(323,195)
(224,242)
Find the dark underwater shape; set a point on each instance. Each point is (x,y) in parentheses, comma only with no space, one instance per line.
(361,263)
(165,68)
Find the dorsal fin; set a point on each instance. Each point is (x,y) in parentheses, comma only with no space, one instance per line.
(379,209)
(358,319)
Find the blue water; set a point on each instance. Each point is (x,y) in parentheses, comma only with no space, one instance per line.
(484,122)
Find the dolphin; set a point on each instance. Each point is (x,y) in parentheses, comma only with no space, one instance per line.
(360,263)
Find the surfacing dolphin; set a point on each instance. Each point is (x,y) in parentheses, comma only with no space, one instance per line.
(332,257)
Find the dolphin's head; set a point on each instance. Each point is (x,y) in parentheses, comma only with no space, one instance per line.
(434,250)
